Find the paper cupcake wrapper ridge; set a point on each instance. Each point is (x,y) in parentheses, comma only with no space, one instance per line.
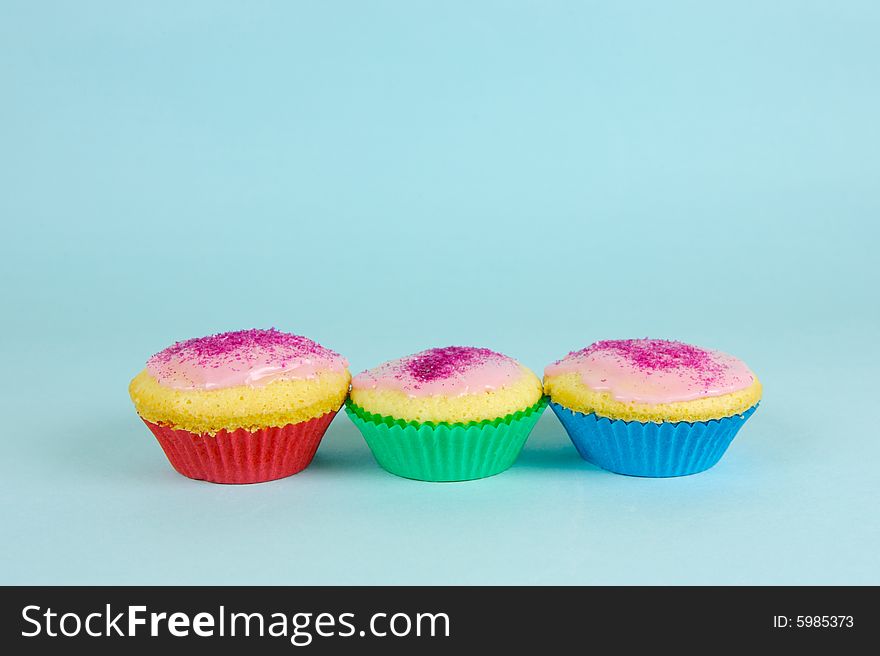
(446,451)
(650,449)
(243,456)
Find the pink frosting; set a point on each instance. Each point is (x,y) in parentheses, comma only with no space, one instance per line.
(452,371)
(654,370)
(245,357)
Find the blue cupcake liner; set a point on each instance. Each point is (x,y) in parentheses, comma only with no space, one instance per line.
(650,449)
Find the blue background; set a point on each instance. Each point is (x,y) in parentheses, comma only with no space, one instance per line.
(390,176)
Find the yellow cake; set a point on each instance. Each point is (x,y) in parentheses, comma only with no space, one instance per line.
(652,380)
(241,407)
(446,414)
(519,389)
(651,407)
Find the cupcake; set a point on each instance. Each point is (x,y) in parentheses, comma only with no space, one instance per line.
(241,407)
(446,414)
(651,407)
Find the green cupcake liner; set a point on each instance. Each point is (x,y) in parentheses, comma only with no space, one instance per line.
(445,451)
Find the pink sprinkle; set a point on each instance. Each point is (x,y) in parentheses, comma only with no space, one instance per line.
(214,350)
(442,363)
(651,355)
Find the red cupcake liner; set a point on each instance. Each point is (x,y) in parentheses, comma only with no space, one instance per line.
(243,456)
